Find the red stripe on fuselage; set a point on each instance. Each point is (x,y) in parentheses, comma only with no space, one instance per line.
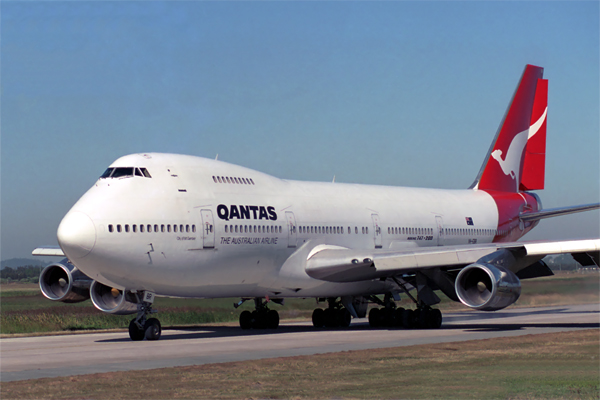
(510,205)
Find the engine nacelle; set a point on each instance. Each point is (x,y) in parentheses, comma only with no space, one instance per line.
(487,287)
(62,281)
(112,300)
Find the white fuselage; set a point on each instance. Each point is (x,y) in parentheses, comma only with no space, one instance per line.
(213,238)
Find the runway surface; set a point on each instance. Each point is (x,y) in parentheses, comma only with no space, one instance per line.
(66,355)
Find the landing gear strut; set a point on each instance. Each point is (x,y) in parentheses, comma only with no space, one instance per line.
(335,315)
(262,317)
(142,327)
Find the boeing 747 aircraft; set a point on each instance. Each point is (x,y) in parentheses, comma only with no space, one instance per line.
(174,225)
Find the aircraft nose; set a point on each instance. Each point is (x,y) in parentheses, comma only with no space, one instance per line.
(76,234)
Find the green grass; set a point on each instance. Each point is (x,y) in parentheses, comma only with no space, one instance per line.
(549,366)
(24,310)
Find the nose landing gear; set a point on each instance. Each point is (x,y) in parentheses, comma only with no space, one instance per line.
(142,327)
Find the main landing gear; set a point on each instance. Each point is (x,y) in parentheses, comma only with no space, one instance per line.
(335,315)
(261,318)
(142,327)
(424,317)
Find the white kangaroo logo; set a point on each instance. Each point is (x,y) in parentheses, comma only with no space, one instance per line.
(511,162)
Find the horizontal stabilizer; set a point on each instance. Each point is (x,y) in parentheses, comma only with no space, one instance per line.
(48,251)
(555,212)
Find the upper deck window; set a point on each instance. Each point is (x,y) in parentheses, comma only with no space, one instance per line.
(125,172)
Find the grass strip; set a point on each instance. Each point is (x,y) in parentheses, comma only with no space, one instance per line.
(547,366)
(25,310)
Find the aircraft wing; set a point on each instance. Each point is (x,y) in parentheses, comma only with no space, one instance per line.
(347,265)
(48,251)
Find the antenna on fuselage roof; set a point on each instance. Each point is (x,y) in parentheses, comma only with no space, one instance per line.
(217,157)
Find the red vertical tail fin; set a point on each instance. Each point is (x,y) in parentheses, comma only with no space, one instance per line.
(502,169)
(534,167)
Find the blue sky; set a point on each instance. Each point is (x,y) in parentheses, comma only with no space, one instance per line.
(394,93)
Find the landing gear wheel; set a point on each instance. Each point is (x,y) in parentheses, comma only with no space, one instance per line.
(399,317)
(153,329)
(374,318)
(329,315)
(435,319)
(344,318)
(135,333)
(422,318)
(272,318)
(246,320)
(258,320)
(318,318)
(408,319)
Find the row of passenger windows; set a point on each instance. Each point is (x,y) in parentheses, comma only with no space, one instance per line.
(410,231)
(469,231)
(153,228)
(228,179)
(253,229)
(327,230)
(301,229)
(124,172)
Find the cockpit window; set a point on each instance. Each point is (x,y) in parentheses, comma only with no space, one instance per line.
(145,172)
(107,173)
(124,172)
(121,172)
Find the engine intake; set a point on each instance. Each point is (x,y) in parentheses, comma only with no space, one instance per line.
(487,287)
(112,300)
(62,281)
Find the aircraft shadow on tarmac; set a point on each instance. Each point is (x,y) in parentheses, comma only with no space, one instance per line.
(199,332)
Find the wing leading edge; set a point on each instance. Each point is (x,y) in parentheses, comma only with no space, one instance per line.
(347,265)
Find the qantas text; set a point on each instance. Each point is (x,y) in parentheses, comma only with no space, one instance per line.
(246,212)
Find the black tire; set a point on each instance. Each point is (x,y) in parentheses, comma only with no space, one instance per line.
(422,318)
(435,319)
(153,329)
(259,320)
(246,320)
(135,333)
(399,314)
(408,319)
(344,318)
(318,318)
(388,317)
(374,318)
(329,318)
(272,319)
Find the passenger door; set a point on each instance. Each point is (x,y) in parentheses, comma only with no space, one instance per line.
(440,227)
(208,229)
(292,230)
(376,230)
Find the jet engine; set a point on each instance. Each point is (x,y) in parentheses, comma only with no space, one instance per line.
(112,300)
(487,287)
(62,281)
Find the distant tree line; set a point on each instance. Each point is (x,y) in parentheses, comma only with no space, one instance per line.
(26,273)
(562,262)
